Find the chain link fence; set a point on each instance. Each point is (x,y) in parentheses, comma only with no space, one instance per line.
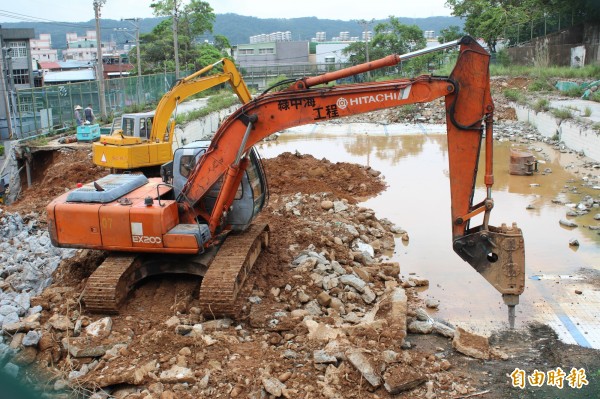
(48,109)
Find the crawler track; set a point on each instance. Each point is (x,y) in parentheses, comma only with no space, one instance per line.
(108,286)
(228,271)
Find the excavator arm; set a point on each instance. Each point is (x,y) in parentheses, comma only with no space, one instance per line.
(191,85)
(496,253)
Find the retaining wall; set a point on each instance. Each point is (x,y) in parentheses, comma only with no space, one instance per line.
(195,130)
(576,136)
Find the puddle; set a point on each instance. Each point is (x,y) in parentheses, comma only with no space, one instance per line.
(415,167)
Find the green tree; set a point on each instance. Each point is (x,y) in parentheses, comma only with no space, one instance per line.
(394,37)
(157,48)
(391,37)
(193,19)
(221,42)
(208,55)
(356,52)
(518,20)
(450,33)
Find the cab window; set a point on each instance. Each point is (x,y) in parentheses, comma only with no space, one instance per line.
(127,126)
(186,165)
(145,127)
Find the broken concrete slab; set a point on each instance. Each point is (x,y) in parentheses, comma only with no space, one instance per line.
(400,378)
(471,344)
(177,374)
(100,328)
(273,386)
(365,365)
(92,347)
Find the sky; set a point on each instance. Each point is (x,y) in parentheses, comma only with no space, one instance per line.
(83,10)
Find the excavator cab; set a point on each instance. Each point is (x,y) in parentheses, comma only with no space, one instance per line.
(251,194)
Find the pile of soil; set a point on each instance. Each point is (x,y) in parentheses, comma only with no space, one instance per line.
(54,173)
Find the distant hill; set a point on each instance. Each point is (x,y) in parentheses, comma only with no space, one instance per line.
(237,28)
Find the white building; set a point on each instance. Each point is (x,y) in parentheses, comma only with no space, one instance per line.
(84,48)
(41,49)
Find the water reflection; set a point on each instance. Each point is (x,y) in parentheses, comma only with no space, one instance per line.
(391,148)
(418,199)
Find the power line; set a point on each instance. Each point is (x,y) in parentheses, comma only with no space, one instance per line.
(29,18)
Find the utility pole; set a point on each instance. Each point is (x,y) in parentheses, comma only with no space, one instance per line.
(136,22)
(365,24)
(100,67)
(175,39)
(3,86)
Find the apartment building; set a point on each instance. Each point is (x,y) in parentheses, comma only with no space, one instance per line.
(18,72)
(41,49)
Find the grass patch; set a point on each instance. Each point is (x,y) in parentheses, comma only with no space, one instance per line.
(1,150)
(574,92)
(38,142)
(587,72)
(407,110)
(596,127)
(562,113)
(541,105)
(540,85)
(221,100)
(513,95)
(595,96)
(587,112)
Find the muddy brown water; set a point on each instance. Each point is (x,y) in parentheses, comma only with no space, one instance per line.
(415,167)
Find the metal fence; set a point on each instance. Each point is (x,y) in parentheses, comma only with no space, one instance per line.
(51,108)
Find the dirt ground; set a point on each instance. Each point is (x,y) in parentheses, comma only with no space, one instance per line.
(238,358)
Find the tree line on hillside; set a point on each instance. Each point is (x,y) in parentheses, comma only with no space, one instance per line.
(237,28)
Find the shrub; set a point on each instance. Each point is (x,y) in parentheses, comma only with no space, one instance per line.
(503,58)
(513,95)
(574,92)
(1,150)
(562,113)
(540,85)
(541,105)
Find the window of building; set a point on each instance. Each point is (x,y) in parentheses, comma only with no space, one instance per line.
(21,76)
(266,51)
(246,51)
(19,49)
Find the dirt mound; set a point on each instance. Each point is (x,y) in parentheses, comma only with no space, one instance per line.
(291,173)
(55,172)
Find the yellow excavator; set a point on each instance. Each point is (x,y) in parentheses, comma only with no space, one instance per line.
(145,140)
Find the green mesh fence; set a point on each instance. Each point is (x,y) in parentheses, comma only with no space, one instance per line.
(50,109)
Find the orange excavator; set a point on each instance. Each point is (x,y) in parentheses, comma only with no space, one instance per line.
(198,218)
